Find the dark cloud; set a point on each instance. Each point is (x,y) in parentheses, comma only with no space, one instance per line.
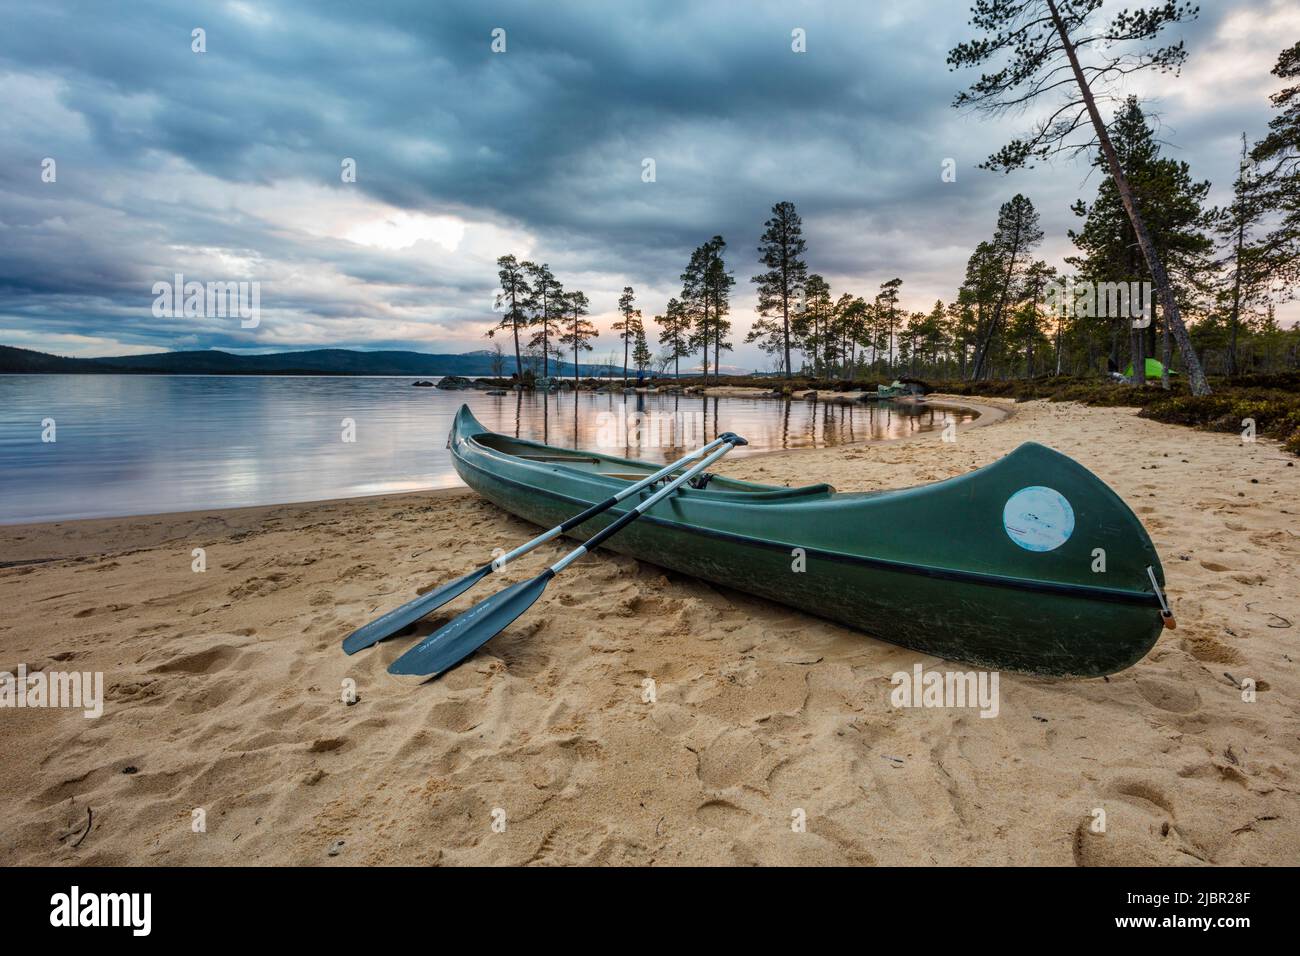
(226,164)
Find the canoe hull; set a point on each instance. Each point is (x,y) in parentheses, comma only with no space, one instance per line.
(953,610)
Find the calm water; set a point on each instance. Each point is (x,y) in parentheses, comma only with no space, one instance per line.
(143,444)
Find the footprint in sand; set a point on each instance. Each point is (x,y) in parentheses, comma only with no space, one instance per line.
(1141,829)
(256,587)
(722,815)
(730,759)
(1211,651)
(106,609)
(207,661)
(1175,698)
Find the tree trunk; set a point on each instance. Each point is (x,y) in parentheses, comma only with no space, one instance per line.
(519,362)
(1195,374)
(514,327)
(785,302)
(1166,353)
(1059,323)
(1236,301)
(982,355)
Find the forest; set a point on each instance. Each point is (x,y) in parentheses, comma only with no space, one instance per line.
(1012,315)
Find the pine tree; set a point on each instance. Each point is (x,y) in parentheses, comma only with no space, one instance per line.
(781,249)
(641,357)
(717,284)
(1028,325)
(1250,259)
(546,311)
(1017,235)
(628,327)
(674,333)
(810,323)
(1043,41)
(1169,203)
(697,304)
(1278,155)
(887,303)
(577,330)
(511,298)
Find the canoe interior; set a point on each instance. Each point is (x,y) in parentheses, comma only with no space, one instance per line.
(628,470)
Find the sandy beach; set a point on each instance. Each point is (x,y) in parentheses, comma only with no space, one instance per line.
(225,691)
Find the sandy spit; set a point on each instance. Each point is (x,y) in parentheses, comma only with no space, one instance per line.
(225,692)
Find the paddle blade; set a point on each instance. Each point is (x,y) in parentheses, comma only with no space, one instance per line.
(462,636)
(410,612)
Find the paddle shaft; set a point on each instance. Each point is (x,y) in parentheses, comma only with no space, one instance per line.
(609,531)
(601,506)
(465,633)
(390,623)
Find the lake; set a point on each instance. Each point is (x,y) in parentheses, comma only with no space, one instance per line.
(146,444)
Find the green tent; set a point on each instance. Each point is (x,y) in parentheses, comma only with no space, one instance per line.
(1154,369)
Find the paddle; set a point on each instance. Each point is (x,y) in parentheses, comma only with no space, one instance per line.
(393,621)
(460,637)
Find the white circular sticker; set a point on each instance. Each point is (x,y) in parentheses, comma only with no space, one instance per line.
(1038,518)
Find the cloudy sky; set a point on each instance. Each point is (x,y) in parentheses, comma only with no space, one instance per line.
(226,165)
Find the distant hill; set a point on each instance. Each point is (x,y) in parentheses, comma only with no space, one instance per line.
(309,362)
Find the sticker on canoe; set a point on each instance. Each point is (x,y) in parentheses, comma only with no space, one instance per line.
(1038,518)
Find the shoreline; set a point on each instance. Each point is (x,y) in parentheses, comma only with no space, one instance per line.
(988,414)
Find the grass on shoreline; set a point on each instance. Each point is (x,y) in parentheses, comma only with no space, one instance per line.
(1272,401)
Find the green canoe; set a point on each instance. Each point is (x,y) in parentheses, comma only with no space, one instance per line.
(999,567)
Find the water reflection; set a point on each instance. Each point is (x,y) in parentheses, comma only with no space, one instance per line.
(137,444)
(663,427)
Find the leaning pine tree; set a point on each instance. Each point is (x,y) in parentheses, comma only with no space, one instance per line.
(1043,41)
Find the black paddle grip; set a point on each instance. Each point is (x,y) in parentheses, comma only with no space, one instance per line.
(609,531)
(589,513)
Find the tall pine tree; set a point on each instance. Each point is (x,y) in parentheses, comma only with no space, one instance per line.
(578,331)
(781,250)
(629,325)
(511,300)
